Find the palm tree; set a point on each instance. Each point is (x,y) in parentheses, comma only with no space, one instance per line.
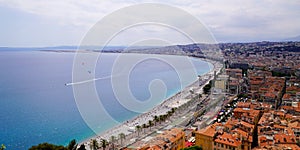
(122,137)
(72,145)
(161,118)
(144,126)
(156,119)
(173,110)
(165,116)
(138,129)
(169,113)
(2,147)
(113,140)
(94,144)
(104,143)
(82,147)
(200,96)
(150,124)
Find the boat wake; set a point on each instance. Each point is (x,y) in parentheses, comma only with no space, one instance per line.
(87,81)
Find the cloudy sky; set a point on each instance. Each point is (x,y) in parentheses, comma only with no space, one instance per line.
(34,23)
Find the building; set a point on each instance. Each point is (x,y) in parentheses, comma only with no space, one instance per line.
(235,80)
(221,82)
(205,137)
(278,129)
(172,139)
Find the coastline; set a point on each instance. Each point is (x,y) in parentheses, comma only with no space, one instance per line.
(173,101)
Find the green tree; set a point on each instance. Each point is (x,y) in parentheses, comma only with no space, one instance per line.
(206,88)
(150,123)
(161,118)
(72,145)
(82,147)
(94,145)
(104,143)
(165,116)
(48,146)
(138,129)
(122,137)
(144,126)
(193,148)
(3,147)
(173,110)
(113,140)
(156,119)
(169,113)
(200,96)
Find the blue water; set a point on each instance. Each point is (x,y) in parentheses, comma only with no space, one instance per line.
(37,107)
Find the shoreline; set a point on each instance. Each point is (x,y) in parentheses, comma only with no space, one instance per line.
(173,101)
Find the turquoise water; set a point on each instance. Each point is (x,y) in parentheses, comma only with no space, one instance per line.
(37,107)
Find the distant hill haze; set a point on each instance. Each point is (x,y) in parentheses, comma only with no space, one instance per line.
(296,38)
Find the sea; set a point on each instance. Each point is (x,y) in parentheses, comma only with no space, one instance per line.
(36,106)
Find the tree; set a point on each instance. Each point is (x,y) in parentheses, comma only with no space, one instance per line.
(156,119)
(94,144)
(122,137)
(193,148)
(48,146)
(161,118)
(165,116)
(138,129)
(72,145)
(150,123)
(3,147)
(113,140)
(200,96)
(144,126)
(242,95)
(173,110)
(104,143)
(206,88)
(169,113)
(82,147)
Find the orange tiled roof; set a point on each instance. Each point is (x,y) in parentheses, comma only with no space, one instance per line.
(283,138)
(246,124)
(286,96)
(279,126)
(231,122)
(279,113)
(287,146)
(263,141)
(243,104)
(245,135)
(228,139)
(292,88)
(209,130)
(270,95)
(172,135)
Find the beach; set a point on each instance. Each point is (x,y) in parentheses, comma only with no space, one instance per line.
(175,101)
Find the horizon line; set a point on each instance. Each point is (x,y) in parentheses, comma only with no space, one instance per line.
(122,46)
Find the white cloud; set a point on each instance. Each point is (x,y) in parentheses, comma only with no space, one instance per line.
(67,12)
(228,20)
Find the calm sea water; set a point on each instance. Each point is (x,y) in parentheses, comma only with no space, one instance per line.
(37,107)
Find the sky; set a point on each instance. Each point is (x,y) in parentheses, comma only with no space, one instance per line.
(32,23)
